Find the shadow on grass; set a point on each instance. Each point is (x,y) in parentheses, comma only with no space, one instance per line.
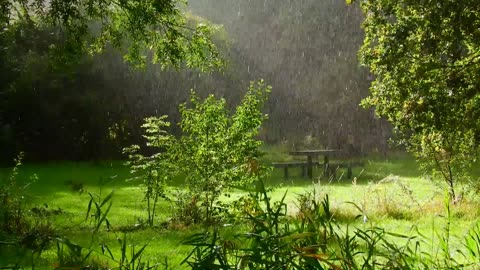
(71,176)
(45,178)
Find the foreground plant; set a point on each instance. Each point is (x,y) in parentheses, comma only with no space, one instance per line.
(268,238)
(22,236)
(72,255)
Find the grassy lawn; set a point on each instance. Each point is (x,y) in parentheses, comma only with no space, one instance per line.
(390,193)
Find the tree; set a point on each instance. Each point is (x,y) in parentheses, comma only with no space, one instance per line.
(215,152)
(425,56)
(156,169)
(137,27)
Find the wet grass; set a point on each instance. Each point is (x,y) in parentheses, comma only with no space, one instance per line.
(391,193)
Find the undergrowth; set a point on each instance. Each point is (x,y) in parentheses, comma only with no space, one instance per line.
(314,239)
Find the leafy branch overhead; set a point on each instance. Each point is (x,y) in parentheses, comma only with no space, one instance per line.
(156,28)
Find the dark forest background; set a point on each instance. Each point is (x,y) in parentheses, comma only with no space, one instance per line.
(56,108)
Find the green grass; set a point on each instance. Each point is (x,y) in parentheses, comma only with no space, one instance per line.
(382,191)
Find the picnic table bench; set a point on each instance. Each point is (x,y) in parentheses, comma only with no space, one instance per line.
(291,164)
(311,154)
(329,168)
(332,168)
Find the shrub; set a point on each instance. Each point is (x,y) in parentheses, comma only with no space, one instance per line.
(215,152)
(186,208)
(18,230)
(156,169)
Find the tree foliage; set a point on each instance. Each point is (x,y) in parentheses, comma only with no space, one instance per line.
(159,27)
(216,151)
(425,56)
(154,170)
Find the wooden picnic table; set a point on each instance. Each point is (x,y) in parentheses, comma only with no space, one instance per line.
(310,154)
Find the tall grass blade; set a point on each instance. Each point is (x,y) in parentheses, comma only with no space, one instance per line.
(108,198)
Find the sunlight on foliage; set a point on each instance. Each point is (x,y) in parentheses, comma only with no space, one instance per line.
(425,59)
(144,30)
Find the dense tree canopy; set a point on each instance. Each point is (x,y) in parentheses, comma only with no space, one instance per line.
(157,25)
(425,56)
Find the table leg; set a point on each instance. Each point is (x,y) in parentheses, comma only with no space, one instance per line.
(325,166)
(309,167)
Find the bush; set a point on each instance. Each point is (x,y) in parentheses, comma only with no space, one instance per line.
(186,209)
(156,169)
(215,152)
(28,236)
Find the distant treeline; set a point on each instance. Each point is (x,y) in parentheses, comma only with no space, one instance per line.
(54,107)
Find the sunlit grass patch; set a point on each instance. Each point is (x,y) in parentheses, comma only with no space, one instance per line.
(389,194)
